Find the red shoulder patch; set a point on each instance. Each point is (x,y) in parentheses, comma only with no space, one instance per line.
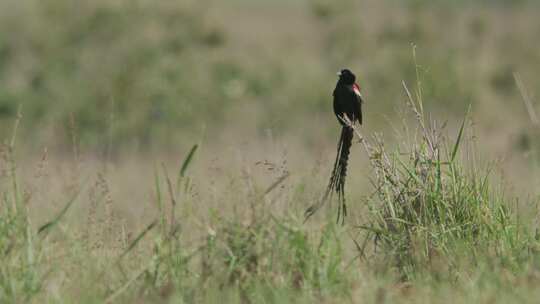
(356,89)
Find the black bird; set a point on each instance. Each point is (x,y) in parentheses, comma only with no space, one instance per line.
(348,109)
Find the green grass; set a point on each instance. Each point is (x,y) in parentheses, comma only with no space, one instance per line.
(430,214)
(434,230)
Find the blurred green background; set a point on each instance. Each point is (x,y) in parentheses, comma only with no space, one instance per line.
(162,74)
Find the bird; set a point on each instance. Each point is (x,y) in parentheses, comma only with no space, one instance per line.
(348,102)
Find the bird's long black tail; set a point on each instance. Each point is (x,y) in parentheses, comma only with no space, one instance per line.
(338,177)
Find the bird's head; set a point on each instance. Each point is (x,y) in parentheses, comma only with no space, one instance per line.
(346,76)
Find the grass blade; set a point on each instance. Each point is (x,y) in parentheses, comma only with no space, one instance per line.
(188,160)
(47,226)
(460,134)
(158,201)
(138,238)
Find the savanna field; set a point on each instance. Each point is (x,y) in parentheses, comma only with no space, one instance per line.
(166,151)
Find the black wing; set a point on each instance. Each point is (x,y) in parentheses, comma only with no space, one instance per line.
(358,108)
(346,101)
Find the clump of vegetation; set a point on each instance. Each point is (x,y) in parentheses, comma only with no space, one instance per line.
(431,215)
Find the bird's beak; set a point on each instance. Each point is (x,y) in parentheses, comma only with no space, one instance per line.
(338,73)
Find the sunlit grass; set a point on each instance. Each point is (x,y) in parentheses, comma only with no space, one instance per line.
(434,225)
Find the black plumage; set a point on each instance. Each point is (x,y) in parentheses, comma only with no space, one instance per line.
(348,109)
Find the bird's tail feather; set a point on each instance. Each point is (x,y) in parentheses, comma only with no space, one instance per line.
(340,171)
(338,177)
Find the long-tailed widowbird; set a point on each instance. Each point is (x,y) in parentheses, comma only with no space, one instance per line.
(348,109)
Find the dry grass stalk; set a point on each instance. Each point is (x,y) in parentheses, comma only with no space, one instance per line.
(41,169)
(93,232)
(527,100)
